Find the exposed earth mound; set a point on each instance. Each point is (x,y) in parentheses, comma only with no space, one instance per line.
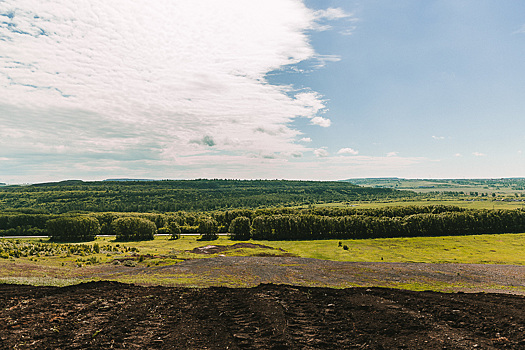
(105,315)
(217,249)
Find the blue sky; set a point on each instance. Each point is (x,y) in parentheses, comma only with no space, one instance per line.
(291,89)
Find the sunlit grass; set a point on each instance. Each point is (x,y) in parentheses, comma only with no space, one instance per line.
(41,281)
(65,270)
(476,249)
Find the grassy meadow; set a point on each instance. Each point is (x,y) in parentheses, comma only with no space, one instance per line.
(43,263)
(473,249)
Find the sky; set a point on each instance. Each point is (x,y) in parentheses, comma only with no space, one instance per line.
(252,89)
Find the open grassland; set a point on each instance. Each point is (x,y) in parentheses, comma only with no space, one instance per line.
(178,262)
(504,249)
(474,249)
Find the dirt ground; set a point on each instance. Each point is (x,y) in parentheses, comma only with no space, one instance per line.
(243,271)
(111,315)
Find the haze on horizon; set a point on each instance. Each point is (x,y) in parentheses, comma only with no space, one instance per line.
(277,89)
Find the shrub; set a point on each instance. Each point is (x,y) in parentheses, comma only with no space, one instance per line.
(130,263)
(240,228)
(133,229)
(208,228)
(73,229)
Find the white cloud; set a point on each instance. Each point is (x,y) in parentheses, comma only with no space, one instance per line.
(311,101)
(306,139)
(438,137)
(156,80)
(321,153)
(392,154)
(323,59)
(335,14)
(458,155)
(348,31)
(479,154)
(332,13)
(324,122)
(349,151)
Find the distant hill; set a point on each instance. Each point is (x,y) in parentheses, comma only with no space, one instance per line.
(122,180)
(188,195)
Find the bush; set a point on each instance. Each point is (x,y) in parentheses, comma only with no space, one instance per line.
(240,228)
(73,229)
(133,229)
(208,228)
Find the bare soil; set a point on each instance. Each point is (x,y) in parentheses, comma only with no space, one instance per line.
(250,271)
(106,315)
(217,249)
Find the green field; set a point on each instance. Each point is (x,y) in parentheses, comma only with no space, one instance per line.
(51,264)
(500,187)
(480,249)
(473,249)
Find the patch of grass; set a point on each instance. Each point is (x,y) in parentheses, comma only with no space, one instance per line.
(504,249)
(41,281)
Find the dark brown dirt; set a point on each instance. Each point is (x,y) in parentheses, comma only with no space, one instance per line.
(105,315)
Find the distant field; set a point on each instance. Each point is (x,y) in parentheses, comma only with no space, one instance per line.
(501,187)
(472,203)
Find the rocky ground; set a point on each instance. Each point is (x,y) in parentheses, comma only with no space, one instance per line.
(105,315)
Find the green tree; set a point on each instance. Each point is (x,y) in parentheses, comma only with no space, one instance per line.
(73,229)
(174,230)
(240,228)
(208,228)
(133,229)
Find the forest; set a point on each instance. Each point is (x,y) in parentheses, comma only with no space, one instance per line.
(186,195)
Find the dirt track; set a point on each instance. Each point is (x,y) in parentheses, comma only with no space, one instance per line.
(112,315)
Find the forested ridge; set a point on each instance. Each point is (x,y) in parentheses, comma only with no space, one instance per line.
(186,195)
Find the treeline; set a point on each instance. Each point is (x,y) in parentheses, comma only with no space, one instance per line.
(34,224)
(184,195)
(276,223)
(311,227)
